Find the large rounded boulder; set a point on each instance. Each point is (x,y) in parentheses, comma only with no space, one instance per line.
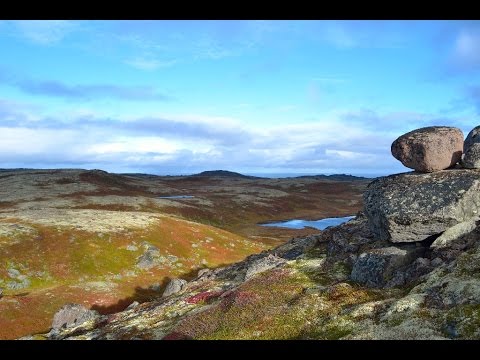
(471,149)
(429,149)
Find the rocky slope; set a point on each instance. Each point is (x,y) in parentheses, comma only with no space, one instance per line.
(406,268)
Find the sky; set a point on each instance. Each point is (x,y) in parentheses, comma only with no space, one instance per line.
(257,97)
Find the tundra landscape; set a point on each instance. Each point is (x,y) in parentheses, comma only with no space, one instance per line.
(239,180)
(106,240)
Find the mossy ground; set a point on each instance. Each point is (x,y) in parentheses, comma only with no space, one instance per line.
(96,269)
(277,305)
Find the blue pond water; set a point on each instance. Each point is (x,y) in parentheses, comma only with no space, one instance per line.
(317,224)
(176,197)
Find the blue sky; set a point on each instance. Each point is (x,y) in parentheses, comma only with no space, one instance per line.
(249,96)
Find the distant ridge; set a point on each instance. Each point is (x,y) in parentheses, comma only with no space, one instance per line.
(337,177)
(224,173)
(209,173)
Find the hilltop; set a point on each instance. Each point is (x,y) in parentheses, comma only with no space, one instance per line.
(224,173)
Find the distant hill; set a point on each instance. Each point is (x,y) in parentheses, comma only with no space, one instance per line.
(224,173)
(336,177)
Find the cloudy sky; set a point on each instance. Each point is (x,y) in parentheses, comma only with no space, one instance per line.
(172,97)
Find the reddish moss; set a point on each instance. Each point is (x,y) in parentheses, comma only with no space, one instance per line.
(203,297)
(238,298)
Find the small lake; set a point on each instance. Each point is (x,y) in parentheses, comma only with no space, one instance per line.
(176,197)
(317,224)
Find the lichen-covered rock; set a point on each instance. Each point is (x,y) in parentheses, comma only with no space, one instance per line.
(376,267)
(412,207)
(296,247)
(452,237)
(150,258)
(429,149)
(412,273)
(471,149)
(263,264)
(174,286)
(72,315)
(348,238)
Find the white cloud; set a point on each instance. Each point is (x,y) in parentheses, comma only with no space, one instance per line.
(344,154)
(45,32)
(339,142)
(28,141)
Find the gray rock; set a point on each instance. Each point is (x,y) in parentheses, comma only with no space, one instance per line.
(471,149)
(348,238)
(150,247)
(436,262)
(471,159)
(174,286)
(296,247)
(429,149)
(155,286)
(72,315)
(263,264)
(18,285)
(146,261)
(13,273)
(417,269)
(455,233)
(412,207)
(202,272)
(456,240)
(133,305)
(150,258)
(377,267)
(132,248)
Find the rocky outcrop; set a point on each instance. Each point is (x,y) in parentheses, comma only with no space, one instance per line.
(412,207)
(72,315)
(174,286)
(263,264)
(377,267)
(429,149)
(471,149)
(349,238)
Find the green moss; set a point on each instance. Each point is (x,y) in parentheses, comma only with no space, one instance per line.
(330,332)
(97,257)
(466,319)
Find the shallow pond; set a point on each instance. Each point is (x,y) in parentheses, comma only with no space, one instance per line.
(176,197)
(317,224)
